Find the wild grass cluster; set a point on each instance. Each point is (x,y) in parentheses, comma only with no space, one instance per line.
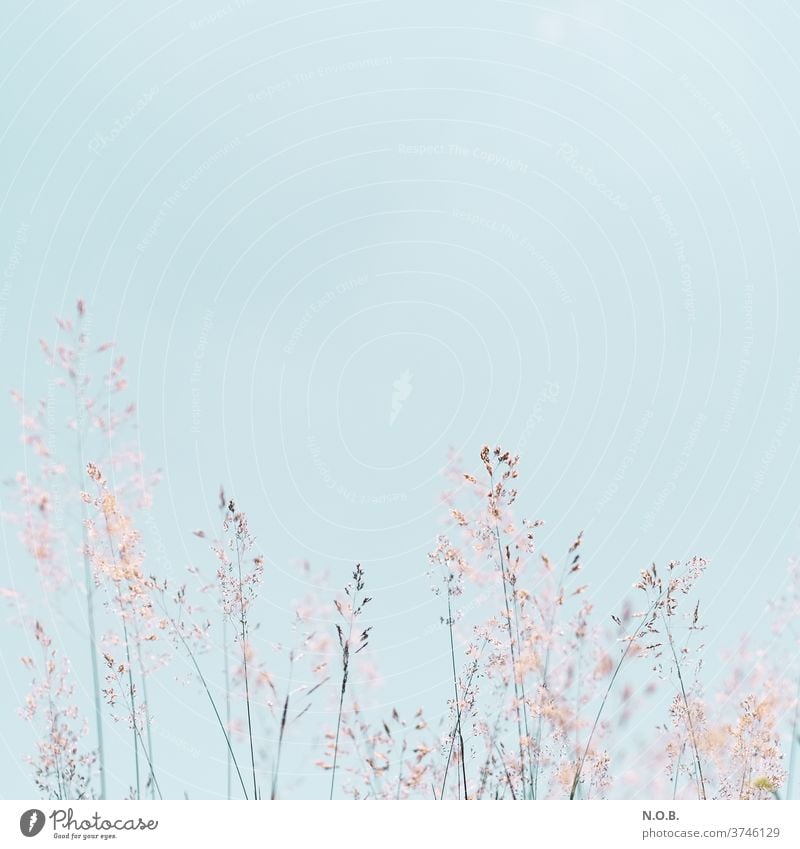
(540,694)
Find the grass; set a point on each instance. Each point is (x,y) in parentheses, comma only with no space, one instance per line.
(533,713)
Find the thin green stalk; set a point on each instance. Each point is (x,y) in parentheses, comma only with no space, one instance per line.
(518,685)
(338,728)
(458,717)
(282,730)
(244,659)
(457,702)
(690,724)
(150,766)
(640,627)
(226,671)
(130,667)
(203,681)
(137,736)
(89,587)
(545,671)
(345,663)
(98,713)
(522,691)
(132,692)
(513,658)
(227,699)
(345,671)
(352,591)
(145,703)
(53,724)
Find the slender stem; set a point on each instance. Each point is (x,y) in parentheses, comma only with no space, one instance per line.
(545,671)
(505,768)
(145,705)
(244,660)
(203,681)
(458,716)
(128,657)
(522,688)
(511,648)
(345,669)
(361,759)
(457,702)
(338,729)
(219,719)
(132,692)
(53,727)
(88,583)
(640,627)
(689,722)
(149,763)
(227,700)
(282,730)
(95,682)
(138,737)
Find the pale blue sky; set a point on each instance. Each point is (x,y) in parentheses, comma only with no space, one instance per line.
(573,225)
